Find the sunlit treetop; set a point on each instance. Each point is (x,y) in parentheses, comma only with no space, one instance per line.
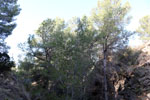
(144,28)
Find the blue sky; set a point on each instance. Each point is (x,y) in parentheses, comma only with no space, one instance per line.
(35,11)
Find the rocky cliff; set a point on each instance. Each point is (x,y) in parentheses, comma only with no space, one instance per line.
(11,88)
(124,82)
(136,84)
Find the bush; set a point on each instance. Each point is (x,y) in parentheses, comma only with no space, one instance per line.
(5,63)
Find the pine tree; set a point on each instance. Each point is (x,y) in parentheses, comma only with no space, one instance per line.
(110,18)
(8,10)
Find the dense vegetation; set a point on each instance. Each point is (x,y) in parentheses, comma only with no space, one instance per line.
(74,60)
(61,56)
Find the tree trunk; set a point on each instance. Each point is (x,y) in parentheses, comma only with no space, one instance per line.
(67,94)
(105,79)
(72,94)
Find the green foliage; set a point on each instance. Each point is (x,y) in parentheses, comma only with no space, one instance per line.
(61,56)
(109,19)
(144,28)
(57,59)
(8,10)
(127,56)
(5,63)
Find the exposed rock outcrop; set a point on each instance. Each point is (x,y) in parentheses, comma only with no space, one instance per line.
(11,88)
(137,79)
(124,82)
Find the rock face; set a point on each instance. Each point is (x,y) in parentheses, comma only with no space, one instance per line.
(124,82)
(137,80)
(137,85)
(11,88)
(145,55)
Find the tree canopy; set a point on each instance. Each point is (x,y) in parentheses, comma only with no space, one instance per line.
(61,56)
